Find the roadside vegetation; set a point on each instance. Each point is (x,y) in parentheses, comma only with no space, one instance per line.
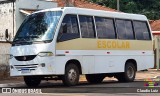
(150,8)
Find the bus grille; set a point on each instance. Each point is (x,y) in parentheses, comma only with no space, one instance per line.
(30,67)
(25,58)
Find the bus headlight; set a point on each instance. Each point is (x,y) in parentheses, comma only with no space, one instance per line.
(45,54)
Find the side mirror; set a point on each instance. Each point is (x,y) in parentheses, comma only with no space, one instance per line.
(6,34)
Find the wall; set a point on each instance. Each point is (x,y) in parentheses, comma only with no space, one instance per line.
(6,19)
(157,51)
(4,53)
(6,22)
(4,60)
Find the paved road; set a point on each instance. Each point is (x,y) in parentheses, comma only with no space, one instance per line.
(112,88)
(82,84)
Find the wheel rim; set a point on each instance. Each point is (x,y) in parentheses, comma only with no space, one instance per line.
(130,72)
(72,75)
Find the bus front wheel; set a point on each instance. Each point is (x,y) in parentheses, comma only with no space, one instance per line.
(71,76)
(32,81)
(129,74)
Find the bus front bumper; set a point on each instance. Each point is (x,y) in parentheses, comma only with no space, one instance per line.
(43,66)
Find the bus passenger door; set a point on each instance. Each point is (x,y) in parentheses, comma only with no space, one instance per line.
(88,64)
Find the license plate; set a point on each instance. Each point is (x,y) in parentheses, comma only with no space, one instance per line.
(25,71)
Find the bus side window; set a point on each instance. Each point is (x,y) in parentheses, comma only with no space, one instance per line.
(105,28)
(61,30)
(141,30)
(124,29)
(69,28)
(87,26)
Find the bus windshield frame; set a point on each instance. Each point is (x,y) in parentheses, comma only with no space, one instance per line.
(38,27)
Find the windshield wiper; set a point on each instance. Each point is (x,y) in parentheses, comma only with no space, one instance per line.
(21,41)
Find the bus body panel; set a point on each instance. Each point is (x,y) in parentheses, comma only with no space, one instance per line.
(109,54)
(109,63)
(95,55)
(35,64)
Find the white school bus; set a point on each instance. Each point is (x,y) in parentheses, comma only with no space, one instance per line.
(64,43)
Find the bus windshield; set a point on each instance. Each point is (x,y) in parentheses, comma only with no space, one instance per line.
(38,27)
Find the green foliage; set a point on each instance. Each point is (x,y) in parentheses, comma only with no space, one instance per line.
(150,8)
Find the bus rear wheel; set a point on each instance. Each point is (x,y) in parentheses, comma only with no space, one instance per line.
(129,74)
(95,78)
(32,81)
(71,76)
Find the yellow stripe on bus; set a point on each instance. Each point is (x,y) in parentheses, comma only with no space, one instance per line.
(104,44)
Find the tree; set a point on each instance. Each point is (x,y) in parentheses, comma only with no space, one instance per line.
(150,8)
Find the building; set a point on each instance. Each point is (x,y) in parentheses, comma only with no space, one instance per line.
(6,18)
(155,26)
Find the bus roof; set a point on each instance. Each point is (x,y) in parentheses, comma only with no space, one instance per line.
(100,13)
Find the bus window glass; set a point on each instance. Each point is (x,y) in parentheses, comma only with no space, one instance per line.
(141,30)
(124,29)
(87,26)
(38,27)
(129,29)
(105,28)
(69,28)
(121,29)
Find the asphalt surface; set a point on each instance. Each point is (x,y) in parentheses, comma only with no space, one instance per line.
(109,87)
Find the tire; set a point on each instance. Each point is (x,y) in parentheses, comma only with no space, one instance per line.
(128,75)
(32,81)
(71,76)
(95,78)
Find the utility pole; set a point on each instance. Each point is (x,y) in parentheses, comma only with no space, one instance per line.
(13,16)
(67,3)
(118,7)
